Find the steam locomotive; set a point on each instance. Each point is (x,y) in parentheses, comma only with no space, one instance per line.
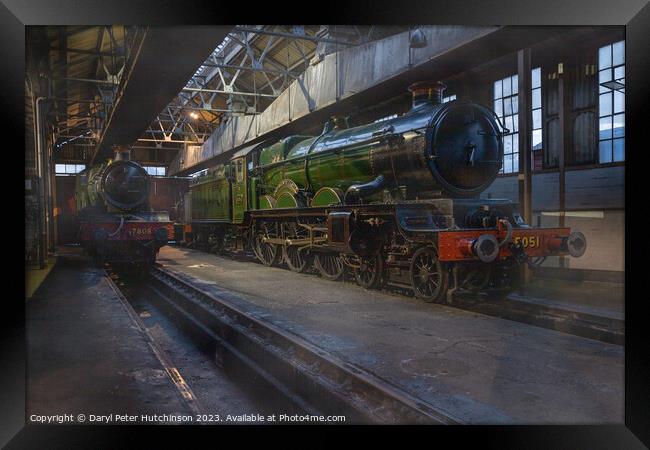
(393,201)
(116,223)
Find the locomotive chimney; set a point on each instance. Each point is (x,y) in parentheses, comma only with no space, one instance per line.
(122,153)
(427,92)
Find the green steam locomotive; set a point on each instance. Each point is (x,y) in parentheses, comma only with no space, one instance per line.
(116,222)
(395,201)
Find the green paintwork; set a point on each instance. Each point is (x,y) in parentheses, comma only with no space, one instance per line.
(211,196)
(267,202)
(340,169)
(286,200)
(332,160)
(253,193)
(327,197)
(286,185)
(239,197)
(301,148)
(278,151)
(87,185)
(329,163)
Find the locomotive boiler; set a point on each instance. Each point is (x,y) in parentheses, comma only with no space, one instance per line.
(393,201)
(436,149)
(116,223)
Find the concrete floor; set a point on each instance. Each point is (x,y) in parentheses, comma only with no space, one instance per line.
(85,355)
(34,276)
(480,369)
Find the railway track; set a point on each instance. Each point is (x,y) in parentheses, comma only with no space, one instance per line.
(516,307)
(288,370)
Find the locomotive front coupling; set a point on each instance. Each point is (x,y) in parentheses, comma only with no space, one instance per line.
(505,241)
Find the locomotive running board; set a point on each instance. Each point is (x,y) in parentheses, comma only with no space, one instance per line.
(316,380)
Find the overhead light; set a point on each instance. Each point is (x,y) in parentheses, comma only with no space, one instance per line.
(418,39)
(194,115)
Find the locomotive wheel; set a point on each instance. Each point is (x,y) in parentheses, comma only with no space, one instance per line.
(217,244)
(428,276)
(370,273)
(265,252)
(297,261)
(329,266)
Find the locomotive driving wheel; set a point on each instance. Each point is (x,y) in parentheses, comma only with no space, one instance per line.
(329,265)
(369,274)
(217,243)
(265,252)
(297,259)
(428,276)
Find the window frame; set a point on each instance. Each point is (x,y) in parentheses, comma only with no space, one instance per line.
(542,120)
(503,117)
(69,169)
(156,169)
(449,98)
(612,67)
(515,118)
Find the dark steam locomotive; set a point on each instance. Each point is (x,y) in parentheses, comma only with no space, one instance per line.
(116,223)
(394,201)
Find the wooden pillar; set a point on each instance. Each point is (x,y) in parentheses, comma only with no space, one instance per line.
(565,140)
(53,207)
(525,137)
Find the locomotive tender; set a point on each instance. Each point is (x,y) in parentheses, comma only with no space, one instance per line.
(116,223)
(396,201)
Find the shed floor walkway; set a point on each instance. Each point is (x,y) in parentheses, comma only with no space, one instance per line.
(86,354)
(478,368)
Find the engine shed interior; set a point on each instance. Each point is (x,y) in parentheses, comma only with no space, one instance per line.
(372,224)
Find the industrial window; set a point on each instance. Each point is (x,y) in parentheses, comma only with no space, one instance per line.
(506,106)
(536,107)
(449,98)
(611,109)
(155,171)
(68,169)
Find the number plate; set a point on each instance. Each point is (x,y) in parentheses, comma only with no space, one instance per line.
(528,241)
(140,231)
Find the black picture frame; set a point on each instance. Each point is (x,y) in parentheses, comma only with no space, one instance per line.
(633,14)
